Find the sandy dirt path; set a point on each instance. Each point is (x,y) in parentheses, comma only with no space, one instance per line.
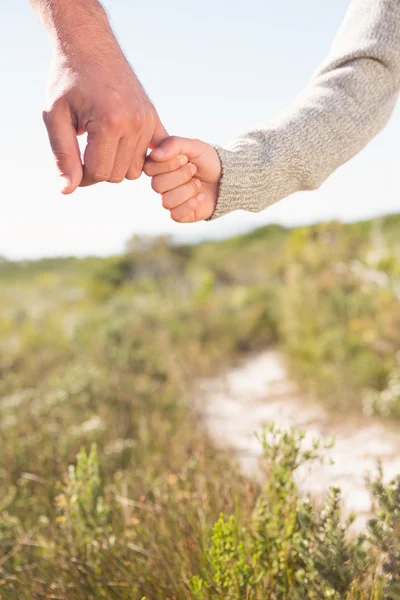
(238,404)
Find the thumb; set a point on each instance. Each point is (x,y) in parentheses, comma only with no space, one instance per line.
(173,146)
(65,147)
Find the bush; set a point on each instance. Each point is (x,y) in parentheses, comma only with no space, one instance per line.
(97,361)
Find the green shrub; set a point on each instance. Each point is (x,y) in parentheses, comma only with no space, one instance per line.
(104,353)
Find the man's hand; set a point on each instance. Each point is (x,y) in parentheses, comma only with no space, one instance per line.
(93,89)
(103,98)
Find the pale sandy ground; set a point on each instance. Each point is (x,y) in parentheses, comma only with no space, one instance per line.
(241,402)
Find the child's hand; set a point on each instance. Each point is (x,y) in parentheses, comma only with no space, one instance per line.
(173,165)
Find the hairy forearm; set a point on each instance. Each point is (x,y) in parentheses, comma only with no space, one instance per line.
(92,88)
(77,27)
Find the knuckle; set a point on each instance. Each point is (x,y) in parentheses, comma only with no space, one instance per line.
(156,185)
(190,217)
(49,113)
(173,140)
(133,174)
(113,120)
(47,116)
(171,166)
(98,176)
(147,169)
(142,117)
(138,119)
(188,171)
(61,157)
(166,202)
(195,185)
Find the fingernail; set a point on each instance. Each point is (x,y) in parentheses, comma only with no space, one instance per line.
(183,160)
(158,153)
(193,169)
(65,182)
(198,183)
(201,197)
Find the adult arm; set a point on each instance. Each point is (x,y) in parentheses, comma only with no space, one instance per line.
(348,101)
(93,89)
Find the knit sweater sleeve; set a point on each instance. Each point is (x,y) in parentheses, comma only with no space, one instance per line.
(348,101)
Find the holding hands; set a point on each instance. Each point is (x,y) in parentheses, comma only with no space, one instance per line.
(186,172)
(92,89)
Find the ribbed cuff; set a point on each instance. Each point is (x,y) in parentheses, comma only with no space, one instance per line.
(237,182)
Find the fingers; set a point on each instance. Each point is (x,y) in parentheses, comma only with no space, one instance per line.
(100,153)
(187,212)
(172,146)
(129,159)
(152,168)
(109,155)
(64,144)
(139,156)
(122,161)
(156,136)
(168,181)
(179,195)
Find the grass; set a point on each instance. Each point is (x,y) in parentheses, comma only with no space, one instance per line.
(109,486)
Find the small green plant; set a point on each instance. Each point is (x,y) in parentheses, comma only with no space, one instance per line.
(84,514)
(385,533)
(386,402)
(288,549)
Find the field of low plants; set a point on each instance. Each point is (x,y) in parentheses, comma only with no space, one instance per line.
(109,485)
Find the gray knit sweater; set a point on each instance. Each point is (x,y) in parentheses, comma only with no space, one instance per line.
(348,101)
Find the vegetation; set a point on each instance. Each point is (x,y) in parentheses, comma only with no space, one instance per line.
(109,486)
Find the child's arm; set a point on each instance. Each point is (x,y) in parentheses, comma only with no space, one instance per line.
(346,104)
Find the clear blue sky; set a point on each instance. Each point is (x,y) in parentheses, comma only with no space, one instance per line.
(212,68)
